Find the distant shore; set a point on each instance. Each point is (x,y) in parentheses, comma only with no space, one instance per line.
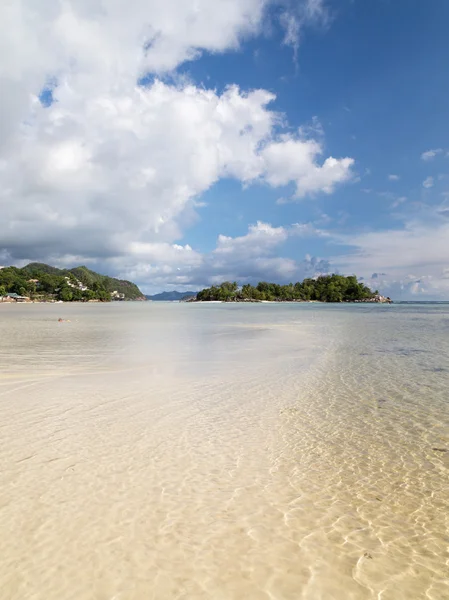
(381,300)
(324,288)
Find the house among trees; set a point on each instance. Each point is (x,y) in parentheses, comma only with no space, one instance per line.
(12,297)
(115,295)
(43,283)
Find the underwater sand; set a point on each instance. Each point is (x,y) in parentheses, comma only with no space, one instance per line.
(169,451)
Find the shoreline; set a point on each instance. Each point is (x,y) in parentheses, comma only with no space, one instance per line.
(77,302)
(70,301)
(247,301)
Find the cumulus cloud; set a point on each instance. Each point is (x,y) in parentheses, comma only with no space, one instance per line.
(428,182)
(414,258)
(103,172)
(99,42)
(393,177)
(295,159)
(259,240)
(247,258)
(411,287)
(404,263)
(430,154)
(262,238)
(93,175)
(109,168)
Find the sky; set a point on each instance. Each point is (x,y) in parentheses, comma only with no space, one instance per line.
(182,143)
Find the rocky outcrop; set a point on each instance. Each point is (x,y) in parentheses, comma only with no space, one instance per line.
(378,298)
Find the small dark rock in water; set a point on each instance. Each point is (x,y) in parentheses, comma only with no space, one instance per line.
(367,555)
(440,449)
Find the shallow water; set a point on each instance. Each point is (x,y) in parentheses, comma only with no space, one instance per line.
(165,451)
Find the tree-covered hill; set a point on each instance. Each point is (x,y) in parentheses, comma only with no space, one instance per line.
(41,281)
(327,288)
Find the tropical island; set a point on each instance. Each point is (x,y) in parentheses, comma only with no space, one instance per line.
(38,282)
(326,288)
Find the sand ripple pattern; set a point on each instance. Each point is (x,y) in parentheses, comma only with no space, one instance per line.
(261,452)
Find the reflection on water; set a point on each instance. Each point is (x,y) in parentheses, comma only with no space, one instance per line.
(188,451)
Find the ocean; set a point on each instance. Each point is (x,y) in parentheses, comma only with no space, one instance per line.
(159,451)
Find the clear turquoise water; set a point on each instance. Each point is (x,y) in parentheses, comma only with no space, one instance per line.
(224,451)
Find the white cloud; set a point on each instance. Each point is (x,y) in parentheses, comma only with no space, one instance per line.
(313,129)
(421,248)
(401,249)
(430,154)
(91,175)
(93,46)
(162,252)
(290,159)
(399,201)
(296,15)
(411,287)
(259,240)
(428,182)
(94,49)
(112,172)
(403,262)
(250,257)
(262,238)
(125,168)
(393,177)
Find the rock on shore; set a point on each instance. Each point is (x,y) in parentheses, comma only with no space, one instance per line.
(378,298)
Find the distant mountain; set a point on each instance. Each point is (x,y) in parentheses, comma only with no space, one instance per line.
(170,296)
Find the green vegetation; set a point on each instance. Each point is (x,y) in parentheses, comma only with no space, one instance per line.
(43,282)
(327,288)
(170,296)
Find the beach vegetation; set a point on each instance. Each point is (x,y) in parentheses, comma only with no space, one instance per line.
(44,282)
(326,288)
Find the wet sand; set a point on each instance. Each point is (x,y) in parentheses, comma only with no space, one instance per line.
(189,451)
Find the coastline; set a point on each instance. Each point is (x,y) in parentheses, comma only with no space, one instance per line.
(72,301)
(250,301)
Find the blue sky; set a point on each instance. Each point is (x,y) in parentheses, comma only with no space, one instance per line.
(375,79)
(184,144)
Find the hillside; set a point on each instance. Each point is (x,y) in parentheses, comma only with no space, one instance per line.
(170,296)
(41,281)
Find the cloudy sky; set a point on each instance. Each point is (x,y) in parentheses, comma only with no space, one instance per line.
(185,142)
